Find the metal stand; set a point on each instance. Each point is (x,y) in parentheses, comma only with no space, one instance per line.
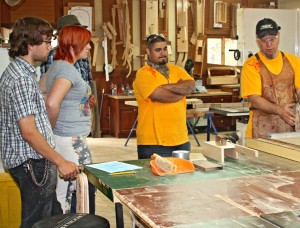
(132,129)
(119,215)
(210,124)
(192,131)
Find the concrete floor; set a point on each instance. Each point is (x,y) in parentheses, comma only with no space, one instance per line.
(112,149)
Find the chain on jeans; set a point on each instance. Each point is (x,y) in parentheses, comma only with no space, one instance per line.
(46,173)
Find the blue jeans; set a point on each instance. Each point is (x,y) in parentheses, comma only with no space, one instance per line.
(145,151)
(37,202)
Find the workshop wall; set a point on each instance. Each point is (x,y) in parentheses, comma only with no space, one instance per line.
(124,72)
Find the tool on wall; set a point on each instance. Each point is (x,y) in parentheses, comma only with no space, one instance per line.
(109,33)
(162,8)
(221,12)
(200,52)
(198,14)
(114,52)
(128,46)
(95,41)
(233,23)
(113,43)
(120,18)
(182,35)
(104,44)
(164,12)
(151,17)
(236,53)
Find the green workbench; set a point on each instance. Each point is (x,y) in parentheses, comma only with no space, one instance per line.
(244,167)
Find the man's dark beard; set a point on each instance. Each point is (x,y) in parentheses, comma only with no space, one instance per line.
(163,62)
(161,67)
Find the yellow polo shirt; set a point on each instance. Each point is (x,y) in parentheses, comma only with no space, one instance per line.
(159,123)
(251,81)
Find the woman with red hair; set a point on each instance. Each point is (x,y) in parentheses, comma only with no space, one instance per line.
(67,104)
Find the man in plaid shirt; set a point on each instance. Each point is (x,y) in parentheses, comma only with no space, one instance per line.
(26,139)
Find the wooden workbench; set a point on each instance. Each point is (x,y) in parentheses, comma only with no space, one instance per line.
(243,191)
(122,116)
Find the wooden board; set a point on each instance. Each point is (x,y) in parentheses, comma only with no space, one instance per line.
(151,22)
(222,80)
(276,147)
(222,105)
(245,150)
(284,219)
(213,201)
(197,9)
(292,137)
(206,165)
(213,151)
(199,51)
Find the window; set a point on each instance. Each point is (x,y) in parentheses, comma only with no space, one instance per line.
(218,51)
(214,51)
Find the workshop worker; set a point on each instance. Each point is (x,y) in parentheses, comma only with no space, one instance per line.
(68,105)
(270,80)
(83,67)
(26,138)
(160,89)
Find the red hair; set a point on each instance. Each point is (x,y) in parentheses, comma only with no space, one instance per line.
(73,36)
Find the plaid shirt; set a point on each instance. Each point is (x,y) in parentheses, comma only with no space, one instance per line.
(19,98)
(82,65)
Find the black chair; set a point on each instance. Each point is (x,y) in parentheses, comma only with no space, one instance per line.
(73,221)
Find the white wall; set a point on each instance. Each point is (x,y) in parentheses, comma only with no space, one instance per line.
(288,4)
(5,59)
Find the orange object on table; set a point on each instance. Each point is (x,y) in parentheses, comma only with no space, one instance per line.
(183,166)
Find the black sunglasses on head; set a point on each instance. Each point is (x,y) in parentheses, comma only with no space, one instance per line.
(153,37)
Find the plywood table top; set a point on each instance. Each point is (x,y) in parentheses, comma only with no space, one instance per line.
(243,191)
(198,203)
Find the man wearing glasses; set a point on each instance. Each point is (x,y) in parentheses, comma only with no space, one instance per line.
(160,89)
(270,80)
(26,138)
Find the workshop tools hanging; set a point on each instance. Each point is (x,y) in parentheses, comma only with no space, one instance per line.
(164,13)
(95,41)
(128,46)
(151,20)
(182,35)
(104,44)
(114,52)
(109,33)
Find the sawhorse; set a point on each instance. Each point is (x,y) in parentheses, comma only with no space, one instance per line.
(210,124)
(131,130)
(134,128)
